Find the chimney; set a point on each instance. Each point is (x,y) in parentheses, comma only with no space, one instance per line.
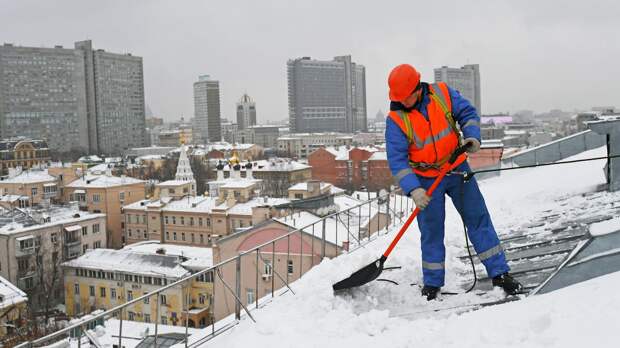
(220,171)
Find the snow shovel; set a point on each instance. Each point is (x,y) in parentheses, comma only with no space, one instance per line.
(373,270)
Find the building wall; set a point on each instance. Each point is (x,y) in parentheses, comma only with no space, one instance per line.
(34,191)
(24,154)
(110,203)
(466,80)
(207,123)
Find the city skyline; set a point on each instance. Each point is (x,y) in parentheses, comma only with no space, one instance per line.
(544,72)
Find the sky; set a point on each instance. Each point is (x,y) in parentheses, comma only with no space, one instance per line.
(533,55)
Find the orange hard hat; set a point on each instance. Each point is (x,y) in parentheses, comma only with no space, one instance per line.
(402,81)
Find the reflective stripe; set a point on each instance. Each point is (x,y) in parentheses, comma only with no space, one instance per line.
(471,123)
(439,93)
(491,252)
(444,133)
(433,266)
(403,173)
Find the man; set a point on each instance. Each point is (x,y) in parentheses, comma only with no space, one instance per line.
(421,134)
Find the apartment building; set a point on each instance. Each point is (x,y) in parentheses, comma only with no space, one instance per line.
(33,243)
(23,189)
(106,278)
(303,144)
(106,194)
(13,303)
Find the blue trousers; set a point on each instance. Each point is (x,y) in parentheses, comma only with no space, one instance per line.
(469,203)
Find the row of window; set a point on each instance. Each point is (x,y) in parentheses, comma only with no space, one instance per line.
(190,221)
(79,272)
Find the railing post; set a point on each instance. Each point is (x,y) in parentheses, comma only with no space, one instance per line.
(312,247)
(273,267)
(301,253)
(238,287)
(323,240)
(157,305)
(336,234)
(120,328)
(213,302)
(187,296)
(288,255)
(359,225)
(387,212)
(79,336)
(257,251)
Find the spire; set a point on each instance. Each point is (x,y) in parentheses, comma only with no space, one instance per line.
(184,170)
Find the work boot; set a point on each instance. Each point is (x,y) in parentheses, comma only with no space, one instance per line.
(430,292)
(510,285)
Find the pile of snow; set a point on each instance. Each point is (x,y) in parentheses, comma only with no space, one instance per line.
(381,313)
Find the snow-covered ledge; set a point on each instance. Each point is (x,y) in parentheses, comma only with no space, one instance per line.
(611,128)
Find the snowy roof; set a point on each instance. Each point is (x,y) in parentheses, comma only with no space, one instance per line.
(173,183)
(103,181)
(240,183)
(28,219)
(335,231)
(273,165)
(10,294)
(130,262)
(246,208)
(196,204)
(30,177)
(196,258)
(303,186)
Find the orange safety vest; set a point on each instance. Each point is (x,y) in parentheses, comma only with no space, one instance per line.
(432,141)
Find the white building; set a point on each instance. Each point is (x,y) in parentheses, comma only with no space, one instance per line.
(246,112)
(466,80)
(300,145)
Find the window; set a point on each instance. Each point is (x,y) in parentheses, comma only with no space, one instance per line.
(268,268)
(183,236)
(191,221)
(129,295)
(76,289)
(182,220)
(250,296)
(208,222)
(76,307)
(166,219)
(202,299)
(131,316)
(91,291)
(174,235)
(121,196)
(84,248)
(171,191)
(199,221)
(299,196)
(33,191)
(84,230)
(148,280)
(290,266)
(193,239)
(202,239)
(96,228)
(96,198)
(102,292)
(167,235)
(162,299)
(147,318)
(26,244)
(164,320)
(97,245)
(54,237)
(147,300)
(174,220)
(113,293)
(157,281)
(146,234)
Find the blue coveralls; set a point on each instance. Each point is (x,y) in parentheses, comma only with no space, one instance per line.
(466,197)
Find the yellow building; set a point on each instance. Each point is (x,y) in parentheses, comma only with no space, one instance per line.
(105,278)
(23,153)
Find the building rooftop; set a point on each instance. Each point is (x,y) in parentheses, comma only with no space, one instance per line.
(10,294)
(30,177)
(273,165)
(195,258)
(23,220)
(303,186)
(103,181)
(246,208)
(130,261)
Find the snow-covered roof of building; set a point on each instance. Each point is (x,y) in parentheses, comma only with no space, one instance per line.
(195,258)
(103,181)
(130,262)
(10,294)
(303,186)
(30,177)
(273,165)
(173,183)
(246,208)
(378,156)
(28,219)
(335,231)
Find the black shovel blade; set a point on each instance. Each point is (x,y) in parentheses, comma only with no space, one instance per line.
(361,277)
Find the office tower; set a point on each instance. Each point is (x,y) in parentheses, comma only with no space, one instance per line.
(465,79)
(246,112)
(326,95)
(207,124)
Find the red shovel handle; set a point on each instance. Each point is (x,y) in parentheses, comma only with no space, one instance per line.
(442,172)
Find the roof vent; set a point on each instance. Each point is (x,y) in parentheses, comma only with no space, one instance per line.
(75,216)
(160,251)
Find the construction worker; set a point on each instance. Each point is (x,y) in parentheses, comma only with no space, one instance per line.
(421,133)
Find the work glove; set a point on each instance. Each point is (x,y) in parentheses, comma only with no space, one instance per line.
(474,145)
(420,198)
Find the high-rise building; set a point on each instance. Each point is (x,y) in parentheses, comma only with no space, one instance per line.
(326,95)
(246,112)
(72,98)
(466,80)
(207,123)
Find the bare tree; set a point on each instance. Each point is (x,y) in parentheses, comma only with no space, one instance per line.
(48,273)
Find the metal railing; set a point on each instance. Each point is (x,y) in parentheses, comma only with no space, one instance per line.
(364,222)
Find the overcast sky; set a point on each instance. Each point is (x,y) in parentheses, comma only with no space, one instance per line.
(536,55)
